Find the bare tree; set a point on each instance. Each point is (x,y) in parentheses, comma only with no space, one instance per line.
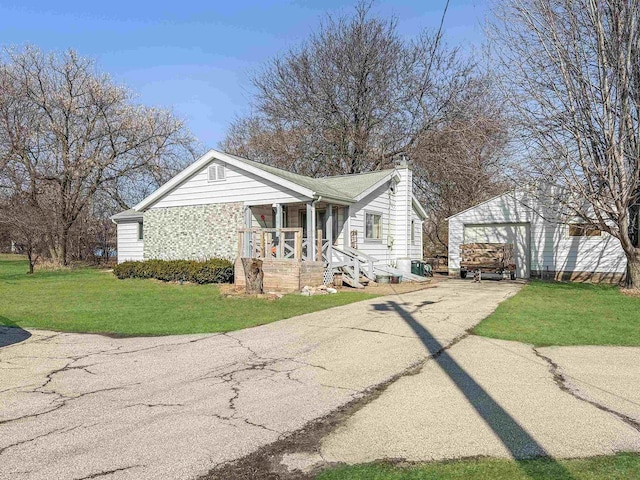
(574,79)
(352,97)
(69,131)
(20,220)
(462,162)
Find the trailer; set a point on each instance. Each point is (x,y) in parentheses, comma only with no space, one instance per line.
(495,258)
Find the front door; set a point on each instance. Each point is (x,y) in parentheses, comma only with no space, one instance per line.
(321,223)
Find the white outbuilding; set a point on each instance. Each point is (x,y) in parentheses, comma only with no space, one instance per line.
(544,246)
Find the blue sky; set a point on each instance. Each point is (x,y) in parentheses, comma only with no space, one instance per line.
(197,57)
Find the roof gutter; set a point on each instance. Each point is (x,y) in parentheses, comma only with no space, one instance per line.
(337,201)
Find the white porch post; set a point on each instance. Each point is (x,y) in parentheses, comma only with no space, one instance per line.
(248,220)
(278,215)
(311,231)
(278,235)
(329,230)
(346,235)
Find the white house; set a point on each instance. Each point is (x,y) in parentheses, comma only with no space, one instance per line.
(226,206)
(544,245)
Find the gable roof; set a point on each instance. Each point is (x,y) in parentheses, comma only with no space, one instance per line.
(341,187)
(344,188)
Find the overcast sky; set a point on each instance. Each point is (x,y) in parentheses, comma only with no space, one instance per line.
(196,57)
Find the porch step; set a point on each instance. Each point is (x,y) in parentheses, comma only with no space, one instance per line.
(347,279)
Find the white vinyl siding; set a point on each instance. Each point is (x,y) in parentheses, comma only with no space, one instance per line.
(129,247)
(238,186)
(380,201)
(416,245)
(551,247)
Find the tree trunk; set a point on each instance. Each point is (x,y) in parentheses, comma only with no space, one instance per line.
(60,250)
(253,275)
(633,270)
(64,243)
(30,258)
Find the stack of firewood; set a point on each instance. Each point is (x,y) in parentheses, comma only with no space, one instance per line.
(487,256)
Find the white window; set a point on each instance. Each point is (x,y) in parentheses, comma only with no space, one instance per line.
(216,173)
(413,232)
(140,231)
(373,226)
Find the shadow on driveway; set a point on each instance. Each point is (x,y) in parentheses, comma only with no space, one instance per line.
(11,333)
(512,435)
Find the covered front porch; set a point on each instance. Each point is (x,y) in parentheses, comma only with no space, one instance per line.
(294,231)
(302,244)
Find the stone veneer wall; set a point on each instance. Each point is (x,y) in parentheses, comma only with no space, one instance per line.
(193,232)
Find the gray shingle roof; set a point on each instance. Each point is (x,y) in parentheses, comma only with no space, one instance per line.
(342,187)
(354,185)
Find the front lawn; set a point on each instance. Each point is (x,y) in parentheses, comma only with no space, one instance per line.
(622,466)
(545,313)
(93,300)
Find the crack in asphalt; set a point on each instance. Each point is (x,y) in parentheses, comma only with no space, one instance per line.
(21,442)
(154,405)
(64,402)
(563,383)
(31,415)
(104,473)
(260,463)
(367,330)
(61,430)
(163,345)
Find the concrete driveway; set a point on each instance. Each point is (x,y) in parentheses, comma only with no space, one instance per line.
(76,406)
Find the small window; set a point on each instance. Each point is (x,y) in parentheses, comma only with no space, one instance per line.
(373,226)
(583,230)
(216,173)
(413,232)
(140,231)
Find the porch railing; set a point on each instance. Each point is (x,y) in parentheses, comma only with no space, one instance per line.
(284,243)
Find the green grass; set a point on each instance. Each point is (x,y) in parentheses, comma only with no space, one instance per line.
(93,300)
(616,467)
(545,313)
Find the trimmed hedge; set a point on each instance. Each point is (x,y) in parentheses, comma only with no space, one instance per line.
(215,270)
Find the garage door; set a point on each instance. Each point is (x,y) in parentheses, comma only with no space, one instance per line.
(516,233)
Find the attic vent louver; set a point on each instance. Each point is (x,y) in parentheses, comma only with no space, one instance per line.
(216,173)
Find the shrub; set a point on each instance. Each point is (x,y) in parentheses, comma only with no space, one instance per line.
(215,270)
